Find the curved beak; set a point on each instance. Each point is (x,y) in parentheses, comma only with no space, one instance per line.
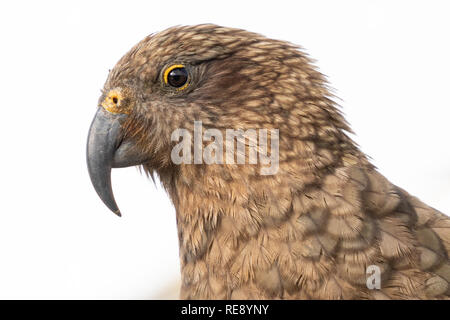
(106,150)
(103,140)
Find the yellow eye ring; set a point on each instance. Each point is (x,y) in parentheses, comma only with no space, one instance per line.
(176,76)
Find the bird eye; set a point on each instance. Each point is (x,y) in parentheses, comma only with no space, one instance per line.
(176,76)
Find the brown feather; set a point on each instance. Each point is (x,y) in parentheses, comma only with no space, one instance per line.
(311,230)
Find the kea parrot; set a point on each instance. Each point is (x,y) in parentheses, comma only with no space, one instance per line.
(324,225)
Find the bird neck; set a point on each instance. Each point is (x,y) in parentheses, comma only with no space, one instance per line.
(221,208)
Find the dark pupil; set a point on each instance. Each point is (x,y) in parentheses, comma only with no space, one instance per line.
(177,77)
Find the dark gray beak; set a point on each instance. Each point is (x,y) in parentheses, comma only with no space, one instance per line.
(106,150)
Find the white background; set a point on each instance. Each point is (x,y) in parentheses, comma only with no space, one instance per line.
(389,62)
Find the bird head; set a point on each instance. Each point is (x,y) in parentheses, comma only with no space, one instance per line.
(224,77)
